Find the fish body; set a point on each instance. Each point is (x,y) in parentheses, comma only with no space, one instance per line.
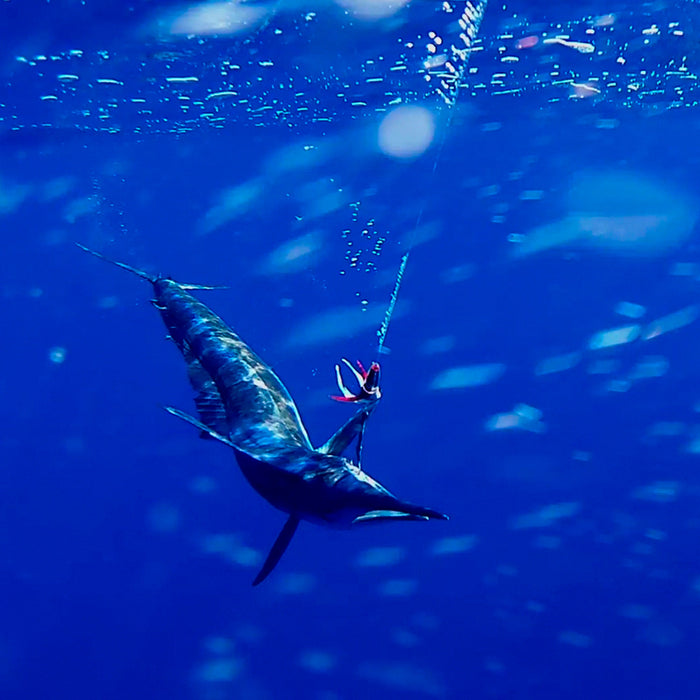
(238,394)
(243,403)
(240,397)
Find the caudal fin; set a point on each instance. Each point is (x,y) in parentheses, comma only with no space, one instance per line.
(278,549)
(124,266)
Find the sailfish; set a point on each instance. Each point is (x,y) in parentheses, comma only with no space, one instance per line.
(242,403)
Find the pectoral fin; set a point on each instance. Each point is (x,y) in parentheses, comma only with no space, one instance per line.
(278,549)
(404,511)
(380,516)
(198,424)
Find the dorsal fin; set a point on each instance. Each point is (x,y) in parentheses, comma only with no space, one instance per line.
(351,429)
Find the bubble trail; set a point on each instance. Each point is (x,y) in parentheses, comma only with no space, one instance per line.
(448,53)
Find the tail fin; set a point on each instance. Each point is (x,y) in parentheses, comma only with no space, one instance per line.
(278,549)
(124,266)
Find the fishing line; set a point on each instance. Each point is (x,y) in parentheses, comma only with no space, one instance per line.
(381,333)
(449,78)
(446,67)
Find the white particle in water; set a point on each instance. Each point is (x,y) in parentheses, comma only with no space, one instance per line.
(57,355)
(406,132)
(380,556)
(630,310)
(613,337)
(470,376)
(575,639)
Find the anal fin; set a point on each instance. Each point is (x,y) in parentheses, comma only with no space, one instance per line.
(278,549)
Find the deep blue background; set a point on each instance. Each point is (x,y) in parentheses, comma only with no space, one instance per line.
(106,590)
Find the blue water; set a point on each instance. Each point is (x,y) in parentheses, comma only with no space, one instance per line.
(569,566)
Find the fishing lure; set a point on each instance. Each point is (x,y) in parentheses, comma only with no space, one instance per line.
(368,381)
(242,403)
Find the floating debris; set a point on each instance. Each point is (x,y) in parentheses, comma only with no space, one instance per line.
(603,367)
(583,90)
(618,386)
(380,556)
(630,310)
(295,583)
(398,588)
(371,10)
(546,516)
(454,545)
(649,367)
(203,485)
(547,542)
(294,256)
(232,203)
(403,677)
(341,323)
(80,207)
(523,417)
(666,429)
(404,638)
(317,661)
(558,363)
(634,611)
(231,548)
(684,269)
(531,195)
(458,273)
(12,196)
(218,645)
(221,94)
(580,46)
(406,132)
(219,18)
(661,633)
(164,517)
(625,212)
(219,670)
(575,639)
(672,322)
(57,355)
(613,337)
(693,447)
(185,79)
(441,344)
(658,492)
(467,377)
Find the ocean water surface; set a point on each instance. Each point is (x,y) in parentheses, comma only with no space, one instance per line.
(538,161)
